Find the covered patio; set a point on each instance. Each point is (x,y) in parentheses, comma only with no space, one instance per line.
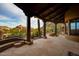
(47,12)
(50,45)
(51,12)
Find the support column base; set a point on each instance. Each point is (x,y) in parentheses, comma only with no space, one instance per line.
(56,34)
(28,42)
(45,37)
(40,37)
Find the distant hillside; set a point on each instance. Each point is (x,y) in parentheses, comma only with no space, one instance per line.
(5,28)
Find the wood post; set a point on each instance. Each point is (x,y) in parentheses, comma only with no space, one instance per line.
(39,32)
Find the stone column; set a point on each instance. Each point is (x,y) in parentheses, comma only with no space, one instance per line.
(76,27)
(69,27)
(65,28)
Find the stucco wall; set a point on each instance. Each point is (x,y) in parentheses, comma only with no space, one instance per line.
(72,13)
(72,37)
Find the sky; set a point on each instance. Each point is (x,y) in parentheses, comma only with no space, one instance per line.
(12,16)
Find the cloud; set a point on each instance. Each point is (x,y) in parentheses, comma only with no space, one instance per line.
(3,17)
(12,16)
(11,10)
(6,21)
(9,24)
(34,23)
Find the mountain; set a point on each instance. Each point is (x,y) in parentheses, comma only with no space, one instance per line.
(4,30)
(20,27)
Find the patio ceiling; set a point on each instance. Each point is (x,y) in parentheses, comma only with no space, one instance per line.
(46,11)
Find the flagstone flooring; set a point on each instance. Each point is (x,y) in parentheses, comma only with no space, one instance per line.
(52,46)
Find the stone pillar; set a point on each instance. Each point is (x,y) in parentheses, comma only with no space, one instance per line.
(44,29)
(65,28)
(39,32)
(69,27)
(76,27)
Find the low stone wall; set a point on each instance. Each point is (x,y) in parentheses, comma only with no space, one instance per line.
(72,37)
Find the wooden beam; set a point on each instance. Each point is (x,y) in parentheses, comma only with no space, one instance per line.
(58,16)
(50,10)
(45,9)
(57,7)
(58,20)
(54,14)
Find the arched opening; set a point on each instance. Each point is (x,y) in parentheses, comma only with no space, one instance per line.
(36,27)
(50,28)
(60,28)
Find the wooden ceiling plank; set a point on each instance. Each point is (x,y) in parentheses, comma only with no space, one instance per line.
(52,15)
(52,8)
(62,11)
(58,16)
(59,20)
(55,8)
(45,9)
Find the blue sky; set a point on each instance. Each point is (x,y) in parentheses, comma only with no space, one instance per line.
(12,16)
